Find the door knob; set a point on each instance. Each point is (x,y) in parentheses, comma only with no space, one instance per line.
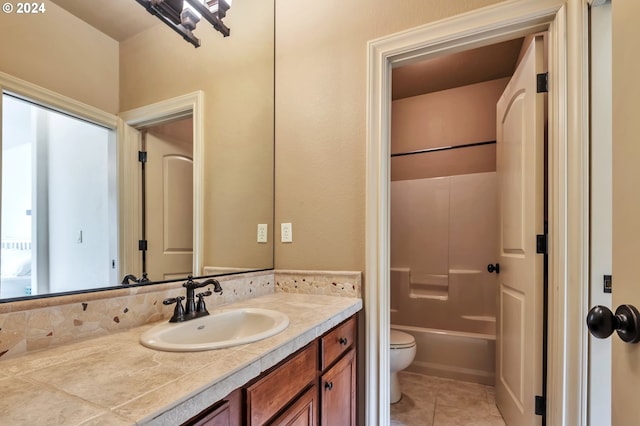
(492,268)
(602,322)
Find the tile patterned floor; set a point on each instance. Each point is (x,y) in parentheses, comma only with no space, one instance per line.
(432,401)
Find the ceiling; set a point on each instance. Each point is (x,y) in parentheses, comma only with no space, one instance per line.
(119,19)
(457,69)
(122,19)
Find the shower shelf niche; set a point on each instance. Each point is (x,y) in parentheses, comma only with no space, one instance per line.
(429,286)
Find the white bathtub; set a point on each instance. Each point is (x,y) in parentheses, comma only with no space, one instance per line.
(453,354)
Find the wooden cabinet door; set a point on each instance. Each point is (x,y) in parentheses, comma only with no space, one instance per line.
(224,413)
(303,412)
(338,393)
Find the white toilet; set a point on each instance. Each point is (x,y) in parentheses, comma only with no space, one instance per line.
(403,350)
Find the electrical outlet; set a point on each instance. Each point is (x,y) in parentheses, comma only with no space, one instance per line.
(286,233)
(262,233)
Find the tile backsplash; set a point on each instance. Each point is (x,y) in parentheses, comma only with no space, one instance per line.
(31,325)
(329,283)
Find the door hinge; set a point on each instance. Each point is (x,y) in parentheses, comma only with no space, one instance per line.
(541,244)
(142,245)
(542,82)
(142,156)
(541,405)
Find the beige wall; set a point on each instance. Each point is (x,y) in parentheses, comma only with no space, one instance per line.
(57,51)
(451,117)
(236,75)
(321,83)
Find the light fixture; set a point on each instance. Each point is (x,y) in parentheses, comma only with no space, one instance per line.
(183,15)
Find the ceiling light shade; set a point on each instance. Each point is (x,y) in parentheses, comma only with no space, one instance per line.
(183,15)
(189,18)
(219,6)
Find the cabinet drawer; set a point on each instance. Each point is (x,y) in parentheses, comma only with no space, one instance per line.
(336,342)
(275,390)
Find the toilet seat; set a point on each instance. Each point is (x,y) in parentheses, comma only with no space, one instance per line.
(401,340)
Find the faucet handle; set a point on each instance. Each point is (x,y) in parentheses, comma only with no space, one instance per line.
(178,312)
(172,300)
(202,308)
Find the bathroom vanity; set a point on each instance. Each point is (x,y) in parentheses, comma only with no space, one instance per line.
(304,375)
(316,385)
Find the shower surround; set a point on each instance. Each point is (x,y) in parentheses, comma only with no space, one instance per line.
(444,233)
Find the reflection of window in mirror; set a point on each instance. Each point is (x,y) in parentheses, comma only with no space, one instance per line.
(59,201)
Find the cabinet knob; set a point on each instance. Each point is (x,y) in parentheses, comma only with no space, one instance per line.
(328,385)
(343,341)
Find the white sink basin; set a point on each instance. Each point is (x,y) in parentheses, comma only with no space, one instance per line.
(216,331)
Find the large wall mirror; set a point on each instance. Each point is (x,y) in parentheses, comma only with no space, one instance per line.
(77,207)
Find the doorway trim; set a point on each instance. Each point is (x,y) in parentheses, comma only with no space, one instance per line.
(183,106)
(567,23)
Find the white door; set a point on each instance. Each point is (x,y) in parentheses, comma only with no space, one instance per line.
(625,383)
(520,169)
(169,209)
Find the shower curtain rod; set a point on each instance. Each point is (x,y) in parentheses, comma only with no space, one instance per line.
(442,148)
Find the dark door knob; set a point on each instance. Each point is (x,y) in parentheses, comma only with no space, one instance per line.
(602,322)
(494,268)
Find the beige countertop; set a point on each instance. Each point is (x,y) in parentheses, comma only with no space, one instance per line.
(115,380)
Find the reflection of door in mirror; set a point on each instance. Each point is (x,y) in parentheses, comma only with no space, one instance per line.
(169,199)
(59,209)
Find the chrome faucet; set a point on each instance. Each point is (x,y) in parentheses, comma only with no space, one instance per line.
(191,311)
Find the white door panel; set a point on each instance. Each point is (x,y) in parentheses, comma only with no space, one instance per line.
(520,168)
(169,207)
(625,365)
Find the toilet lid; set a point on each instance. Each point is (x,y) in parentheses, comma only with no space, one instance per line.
(399,339)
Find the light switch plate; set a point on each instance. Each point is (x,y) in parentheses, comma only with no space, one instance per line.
(286,233)
(262,233)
